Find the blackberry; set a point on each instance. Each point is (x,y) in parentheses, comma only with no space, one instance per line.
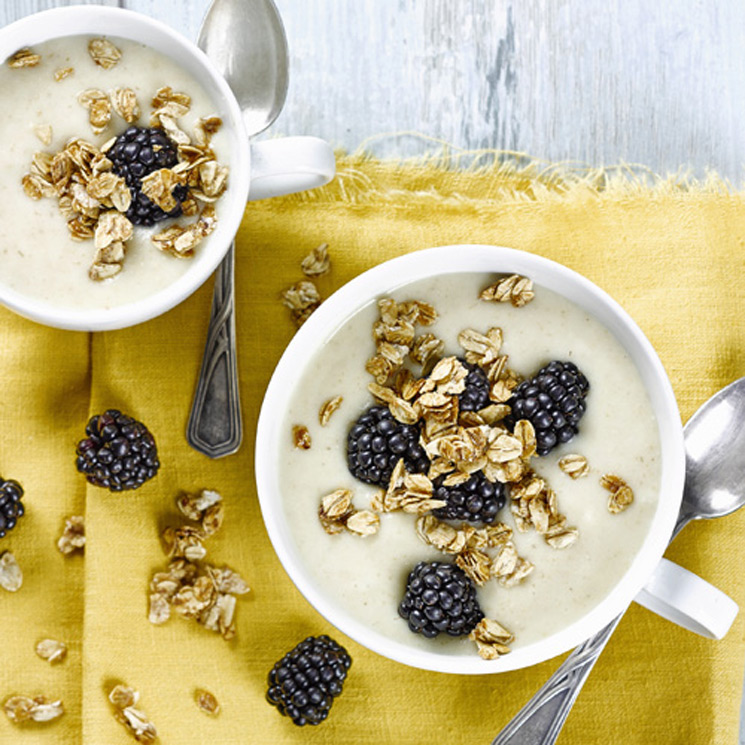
(119,452)
(553,400)
(137,152)
(476,394)
(477,500)
(304,683)
(440,597)
(377,441)
(11,507)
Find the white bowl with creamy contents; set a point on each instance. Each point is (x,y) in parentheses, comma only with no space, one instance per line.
(43,272)
(631,428)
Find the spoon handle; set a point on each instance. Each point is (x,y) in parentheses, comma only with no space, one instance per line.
(541,719)
(215,427)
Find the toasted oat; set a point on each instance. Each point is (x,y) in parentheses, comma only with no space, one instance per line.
(20,709)
(335,509)
(23,58)
(104,53)
(122,696)
(363,522)
(441,535)
(206,702)
(11,576)
(301,437)
(521,571)
(574,465)
(112,226)
(204,128)
(167,95)
(328,408)
(562,537)
(124,699)
(492,639)
(514,289)
(63,72)
(302,299)
(481,349)
(99,108)
(184,542)
(317,262)
(621,494)
(124,102)
(410,492)
(426,349)
(158,187)
(194,505)
(73,535)
(44,133)
(35,186)
(51,650)
(476,564)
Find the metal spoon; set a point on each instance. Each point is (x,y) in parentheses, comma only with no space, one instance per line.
(246,41)
(714,487)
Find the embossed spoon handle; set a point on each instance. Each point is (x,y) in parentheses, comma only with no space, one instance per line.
(540,721)
(215,426)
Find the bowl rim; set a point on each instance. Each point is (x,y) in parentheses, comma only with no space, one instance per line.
(89,20)
(391,275)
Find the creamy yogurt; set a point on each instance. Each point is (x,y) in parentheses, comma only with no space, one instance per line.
(38,258)
(618,434)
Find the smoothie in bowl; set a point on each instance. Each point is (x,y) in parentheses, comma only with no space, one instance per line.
(126,168)
(467,464)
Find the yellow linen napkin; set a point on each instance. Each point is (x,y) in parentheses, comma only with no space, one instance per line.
(670,252)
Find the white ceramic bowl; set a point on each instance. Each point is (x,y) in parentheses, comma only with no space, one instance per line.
(384,279)
(99,21)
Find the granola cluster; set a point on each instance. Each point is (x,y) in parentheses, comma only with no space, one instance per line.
(191,587)
(124,700)
(94,200)
(302,297)
(21,709)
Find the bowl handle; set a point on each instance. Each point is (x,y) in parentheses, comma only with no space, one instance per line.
(288,165)
(688,600)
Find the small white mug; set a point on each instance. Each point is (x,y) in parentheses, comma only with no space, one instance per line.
(258,170)
(651,580)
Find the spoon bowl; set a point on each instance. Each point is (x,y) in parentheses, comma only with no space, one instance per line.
(715,480)
(255,64)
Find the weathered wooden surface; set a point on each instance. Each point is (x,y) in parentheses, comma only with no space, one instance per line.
(591,81)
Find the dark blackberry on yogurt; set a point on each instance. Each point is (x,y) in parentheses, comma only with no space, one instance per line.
(136,153)
(553,401)
(377,441)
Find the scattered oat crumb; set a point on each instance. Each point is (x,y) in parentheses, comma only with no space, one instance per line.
(574,465)
(301,437)
(123,698)
(189,587)
(328,408)
(514,289)
(44,133)
(104,53)
(317,262)
(51,650)
(302,299)
(207,702)
(11,576)
(621,494)
(23,58)
(20,709)
(73,536)
(63,72)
